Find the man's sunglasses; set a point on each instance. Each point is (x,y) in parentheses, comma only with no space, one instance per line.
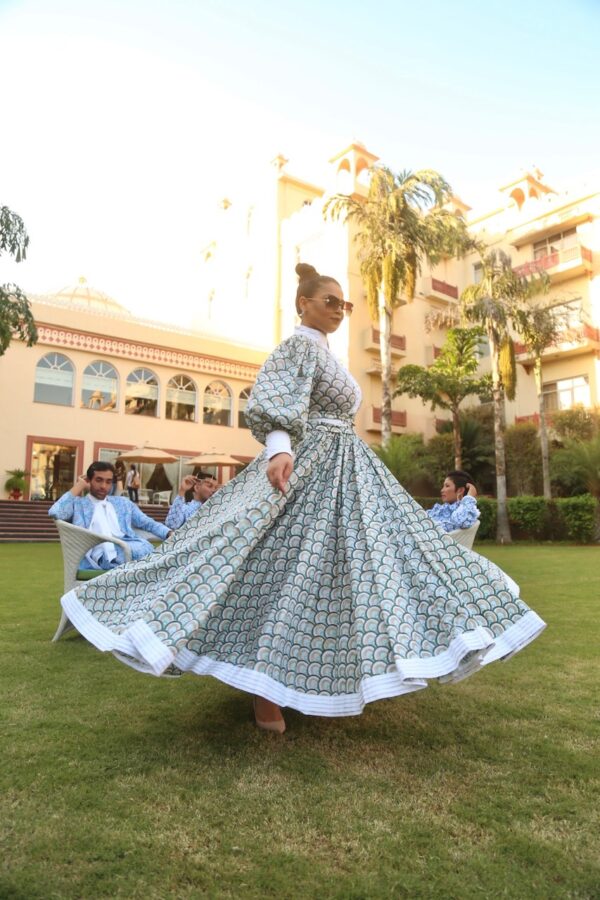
(333,302)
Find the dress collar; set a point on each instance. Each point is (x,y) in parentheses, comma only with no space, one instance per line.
(313,333)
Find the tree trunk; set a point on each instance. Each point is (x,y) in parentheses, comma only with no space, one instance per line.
(385,351)
(502,527)
(537,372)
(457,439)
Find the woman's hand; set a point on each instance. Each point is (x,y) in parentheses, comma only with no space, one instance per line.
(279,470)
(471,490)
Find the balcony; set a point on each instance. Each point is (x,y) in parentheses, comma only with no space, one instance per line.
(440,291)
(574,341)
(560,265)
(372,419)
(371,342)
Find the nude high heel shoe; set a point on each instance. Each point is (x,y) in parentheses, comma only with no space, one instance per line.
(278,725)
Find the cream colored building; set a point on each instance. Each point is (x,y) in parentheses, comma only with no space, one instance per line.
(557,232)
(100,381)
(538,227)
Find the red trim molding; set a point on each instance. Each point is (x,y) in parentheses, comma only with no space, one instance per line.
(105,345)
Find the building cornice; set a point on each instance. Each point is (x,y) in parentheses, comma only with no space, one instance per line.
(139,351)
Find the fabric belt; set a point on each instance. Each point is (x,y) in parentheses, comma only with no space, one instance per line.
(331,422)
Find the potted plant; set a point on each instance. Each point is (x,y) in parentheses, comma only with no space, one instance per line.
(15,485)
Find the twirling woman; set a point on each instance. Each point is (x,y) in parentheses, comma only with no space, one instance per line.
(312,580)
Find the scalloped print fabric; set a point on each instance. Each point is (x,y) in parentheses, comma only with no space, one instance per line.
(340,592)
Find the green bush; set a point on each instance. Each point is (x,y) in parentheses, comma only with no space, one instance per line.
(579,516)
(523,460)
(530,515)
(487,518)
(564,519)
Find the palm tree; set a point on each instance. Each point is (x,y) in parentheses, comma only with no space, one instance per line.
(539,328)
(491,303)
(401,223)
(449,380)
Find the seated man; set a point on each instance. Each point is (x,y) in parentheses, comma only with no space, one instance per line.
(198,489)
(458,508)
(106,515)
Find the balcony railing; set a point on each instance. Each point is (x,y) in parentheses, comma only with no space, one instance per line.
(398,417)
(436,289)
(570,261)
(371,342)
(572,340)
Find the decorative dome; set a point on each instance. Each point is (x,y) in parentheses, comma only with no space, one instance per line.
(84,296)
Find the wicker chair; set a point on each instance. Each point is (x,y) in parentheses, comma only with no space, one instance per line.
(75,543)
(464,536)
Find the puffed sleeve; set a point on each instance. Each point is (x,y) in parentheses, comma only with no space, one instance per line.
(280,398)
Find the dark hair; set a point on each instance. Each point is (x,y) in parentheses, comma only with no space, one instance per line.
(99,467)
(309,281)
(201,476)
(459,478)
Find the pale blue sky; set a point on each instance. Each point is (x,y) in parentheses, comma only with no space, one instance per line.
(121,120)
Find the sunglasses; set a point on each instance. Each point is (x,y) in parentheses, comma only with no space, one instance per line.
(333,302)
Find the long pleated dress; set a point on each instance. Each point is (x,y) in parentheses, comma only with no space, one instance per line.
(337,593)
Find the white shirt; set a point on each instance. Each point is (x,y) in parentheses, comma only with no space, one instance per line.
(105,522)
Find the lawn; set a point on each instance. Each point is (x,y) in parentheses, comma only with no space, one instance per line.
(118,784)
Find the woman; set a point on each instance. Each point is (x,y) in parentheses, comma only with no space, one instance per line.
(458,508)
(312,580)
(133,483)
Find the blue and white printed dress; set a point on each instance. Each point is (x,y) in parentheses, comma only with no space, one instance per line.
(340,592)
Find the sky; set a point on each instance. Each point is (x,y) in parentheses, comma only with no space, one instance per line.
(124,122)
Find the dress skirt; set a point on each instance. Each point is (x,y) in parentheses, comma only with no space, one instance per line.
(337,593)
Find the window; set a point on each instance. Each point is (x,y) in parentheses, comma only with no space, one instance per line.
(477,272)
(243,403)
(100,386)
(141,396)
(566,393)
(217,404)
(553,244)
(181,399)
(54,379)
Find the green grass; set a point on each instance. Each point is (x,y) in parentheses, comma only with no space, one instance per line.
(117,784)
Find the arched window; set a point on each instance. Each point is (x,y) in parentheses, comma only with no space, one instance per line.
(243,403)
(54,378)
(100,386)
(217,404)
(181,399)
(141,396)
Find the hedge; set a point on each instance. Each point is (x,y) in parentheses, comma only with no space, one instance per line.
(535,518)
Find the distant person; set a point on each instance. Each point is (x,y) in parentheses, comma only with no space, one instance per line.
(119,479)
(458,508)
(133,484)
(106,515)
(194,490)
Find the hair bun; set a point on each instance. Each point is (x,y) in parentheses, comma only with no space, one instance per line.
(304,272)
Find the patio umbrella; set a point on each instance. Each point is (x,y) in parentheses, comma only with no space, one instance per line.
(147,454)
(213,458)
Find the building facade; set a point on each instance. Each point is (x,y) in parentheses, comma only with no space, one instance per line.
(100,381)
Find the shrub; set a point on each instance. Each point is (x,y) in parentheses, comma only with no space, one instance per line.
(487,518)
(530,515)
(523,459)
(404,457)
(564,519)
(439,459)
(576,424)
(579,516)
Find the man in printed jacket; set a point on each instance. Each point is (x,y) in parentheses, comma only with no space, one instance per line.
(106,515)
